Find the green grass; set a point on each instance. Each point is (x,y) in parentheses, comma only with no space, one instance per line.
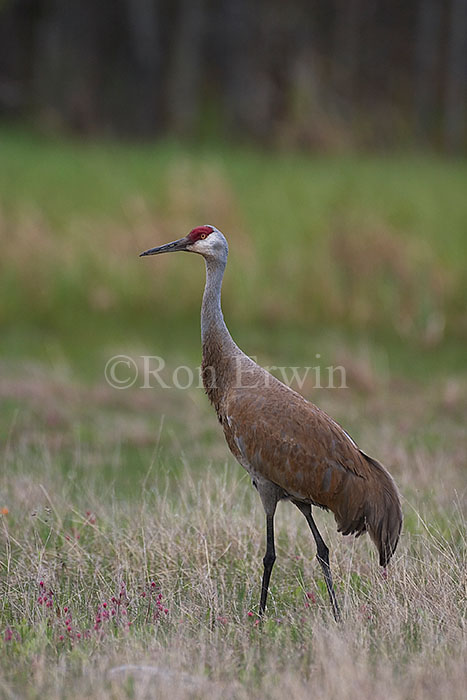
(370,245)
(287,197)
(359,259)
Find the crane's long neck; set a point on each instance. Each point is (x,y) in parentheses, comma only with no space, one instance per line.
(219,350)
(213,328)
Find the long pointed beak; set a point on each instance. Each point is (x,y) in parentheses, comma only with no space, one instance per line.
(181,244)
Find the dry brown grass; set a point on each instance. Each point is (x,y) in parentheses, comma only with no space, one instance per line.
(194,526)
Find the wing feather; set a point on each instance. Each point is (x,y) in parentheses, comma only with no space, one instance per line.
(278,435)
(293,443)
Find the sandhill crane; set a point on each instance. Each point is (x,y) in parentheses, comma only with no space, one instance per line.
(291,449)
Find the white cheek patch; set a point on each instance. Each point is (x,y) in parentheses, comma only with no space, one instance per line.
(202,245)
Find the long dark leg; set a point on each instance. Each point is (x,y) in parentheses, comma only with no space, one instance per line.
(323,557)
(268,561)
(270,494)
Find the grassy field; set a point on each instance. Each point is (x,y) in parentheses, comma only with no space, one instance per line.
(131,542)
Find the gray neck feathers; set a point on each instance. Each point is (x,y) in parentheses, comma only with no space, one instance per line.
(219,350)
(213,328)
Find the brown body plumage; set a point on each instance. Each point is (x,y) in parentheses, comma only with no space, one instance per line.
(279,436)
(291,448)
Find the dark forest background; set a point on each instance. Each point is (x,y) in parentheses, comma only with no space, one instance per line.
(320,74)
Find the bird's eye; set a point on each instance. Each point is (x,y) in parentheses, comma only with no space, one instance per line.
(203,236)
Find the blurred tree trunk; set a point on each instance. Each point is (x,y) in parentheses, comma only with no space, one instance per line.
(346,51)
(456,78)
(246,90)
(185,77)
(16,39)
(143,76)
(65,64)
(427,48)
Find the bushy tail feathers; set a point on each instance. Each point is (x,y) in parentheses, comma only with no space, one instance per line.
(383,512)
